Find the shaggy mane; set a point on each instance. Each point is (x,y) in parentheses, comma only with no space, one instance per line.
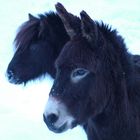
(117,40)
(37,29)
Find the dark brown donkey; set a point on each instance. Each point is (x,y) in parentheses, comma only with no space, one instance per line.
(96,84)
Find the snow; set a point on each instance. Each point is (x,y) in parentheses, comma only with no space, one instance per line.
(21,108)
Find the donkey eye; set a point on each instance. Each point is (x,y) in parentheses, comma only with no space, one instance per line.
(34,47)
(78,74)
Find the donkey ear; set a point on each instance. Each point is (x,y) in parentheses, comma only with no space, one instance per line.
(89,27)
(72,23)
(31,17)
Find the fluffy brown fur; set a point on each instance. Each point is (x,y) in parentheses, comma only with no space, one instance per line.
(106,101)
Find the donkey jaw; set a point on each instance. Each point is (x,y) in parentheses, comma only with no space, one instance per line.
(57,117)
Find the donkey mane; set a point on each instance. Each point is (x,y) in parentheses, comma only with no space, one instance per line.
(110,34)
(113,36)
(29,28)
(40,28)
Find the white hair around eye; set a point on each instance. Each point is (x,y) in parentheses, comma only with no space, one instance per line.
(78,74)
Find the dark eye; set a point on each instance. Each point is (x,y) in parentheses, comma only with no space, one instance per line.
(78,74)
(34,47)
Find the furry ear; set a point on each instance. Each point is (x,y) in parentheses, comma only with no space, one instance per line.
(89,28)
(72,23)
(31,17)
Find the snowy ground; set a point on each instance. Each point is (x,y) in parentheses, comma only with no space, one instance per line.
(21,107)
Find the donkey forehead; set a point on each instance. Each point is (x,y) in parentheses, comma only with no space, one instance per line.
(76,52)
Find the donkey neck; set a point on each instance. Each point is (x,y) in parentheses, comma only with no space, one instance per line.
(115,123)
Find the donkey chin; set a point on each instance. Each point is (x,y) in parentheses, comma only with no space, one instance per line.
(57,117)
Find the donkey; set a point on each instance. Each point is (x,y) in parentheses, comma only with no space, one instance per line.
(96,84)
(38,43)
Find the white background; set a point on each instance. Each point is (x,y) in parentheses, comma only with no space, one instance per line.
(21,108)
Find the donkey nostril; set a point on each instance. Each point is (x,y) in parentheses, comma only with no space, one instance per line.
(52,118)
(10,73)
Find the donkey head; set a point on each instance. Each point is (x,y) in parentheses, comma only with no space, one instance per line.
(38,43)
(78,90)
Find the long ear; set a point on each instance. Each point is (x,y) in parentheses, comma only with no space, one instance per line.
(72,23)
(89,28)
(31,17)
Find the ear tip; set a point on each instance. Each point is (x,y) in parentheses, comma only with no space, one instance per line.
(31,16)
(85,16)
(59,6)
(83,13)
